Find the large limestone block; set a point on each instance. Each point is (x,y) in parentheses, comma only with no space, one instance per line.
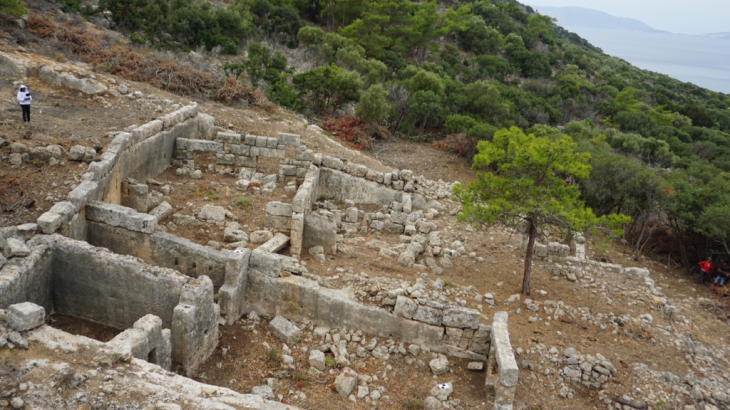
(405,307)
(212,213)
(25,316)
(461,318)
(285,330)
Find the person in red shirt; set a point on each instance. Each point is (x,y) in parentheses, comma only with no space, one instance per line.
(705,268)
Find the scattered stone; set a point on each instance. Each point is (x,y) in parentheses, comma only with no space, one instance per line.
(442,391)
(316,359)
(439,365)
(346,381)
(475,366)
(258,237)
(212,213)
(264,392)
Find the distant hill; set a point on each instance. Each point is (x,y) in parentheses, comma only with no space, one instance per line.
(583,17)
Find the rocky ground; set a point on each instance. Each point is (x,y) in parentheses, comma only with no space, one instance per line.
(588,337)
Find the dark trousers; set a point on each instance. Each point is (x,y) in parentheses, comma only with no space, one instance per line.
(26,112)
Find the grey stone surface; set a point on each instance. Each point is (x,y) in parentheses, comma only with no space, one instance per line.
(319,231)
(116,215)
(234,235)
(195,325)
(162,211)
(212,213)
(340,185)
(263,391)
(81,195)
(107,288)
(25,316)
(442,391)
(15,248)
(643,272)
(461,318)
(316,359)
(258,237)
(146,340)
(405,307)
(346,381)
(439,365)
(285,330)
(277,208)
(231,296)
(275,244)
(298,298)
(58,216)
(428,315)
(475,366)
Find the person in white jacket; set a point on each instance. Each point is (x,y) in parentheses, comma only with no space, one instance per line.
(24,99)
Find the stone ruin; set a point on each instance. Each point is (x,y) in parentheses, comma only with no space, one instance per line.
(100,256)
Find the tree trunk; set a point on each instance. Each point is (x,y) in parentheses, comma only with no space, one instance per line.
(528,256)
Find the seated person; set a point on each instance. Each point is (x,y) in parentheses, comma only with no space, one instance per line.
(723,273)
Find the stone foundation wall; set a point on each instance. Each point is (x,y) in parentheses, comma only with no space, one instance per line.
(234,151)
(107,288)
(127,156)
(162,249)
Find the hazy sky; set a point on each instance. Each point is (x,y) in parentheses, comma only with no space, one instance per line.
(676,16)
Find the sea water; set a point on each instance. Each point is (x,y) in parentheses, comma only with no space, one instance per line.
(703,61)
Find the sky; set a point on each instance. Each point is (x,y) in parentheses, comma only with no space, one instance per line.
(675,16)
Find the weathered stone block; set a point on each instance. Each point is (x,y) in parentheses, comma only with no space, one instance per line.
(405,307)
(345,382)
(162,211)
(285,330)
(316,359)
(279,208)
(428,315)
(275,244)
(228,137)
(212,213)
(116,215)
(461,318)
(289,139)
(15,248)
(25,316)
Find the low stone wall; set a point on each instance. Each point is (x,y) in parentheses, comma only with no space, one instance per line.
(298,298)
(502,370)
(398,180)
(247,152)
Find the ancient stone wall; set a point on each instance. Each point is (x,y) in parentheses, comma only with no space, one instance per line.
(162,249)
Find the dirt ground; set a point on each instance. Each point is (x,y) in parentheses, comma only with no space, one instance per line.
(253,355)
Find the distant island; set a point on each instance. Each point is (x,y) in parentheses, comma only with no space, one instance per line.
(725,36)
(583,17)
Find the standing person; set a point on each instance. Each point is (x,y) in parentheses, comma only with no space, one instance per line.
(705,268)
(24,100)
